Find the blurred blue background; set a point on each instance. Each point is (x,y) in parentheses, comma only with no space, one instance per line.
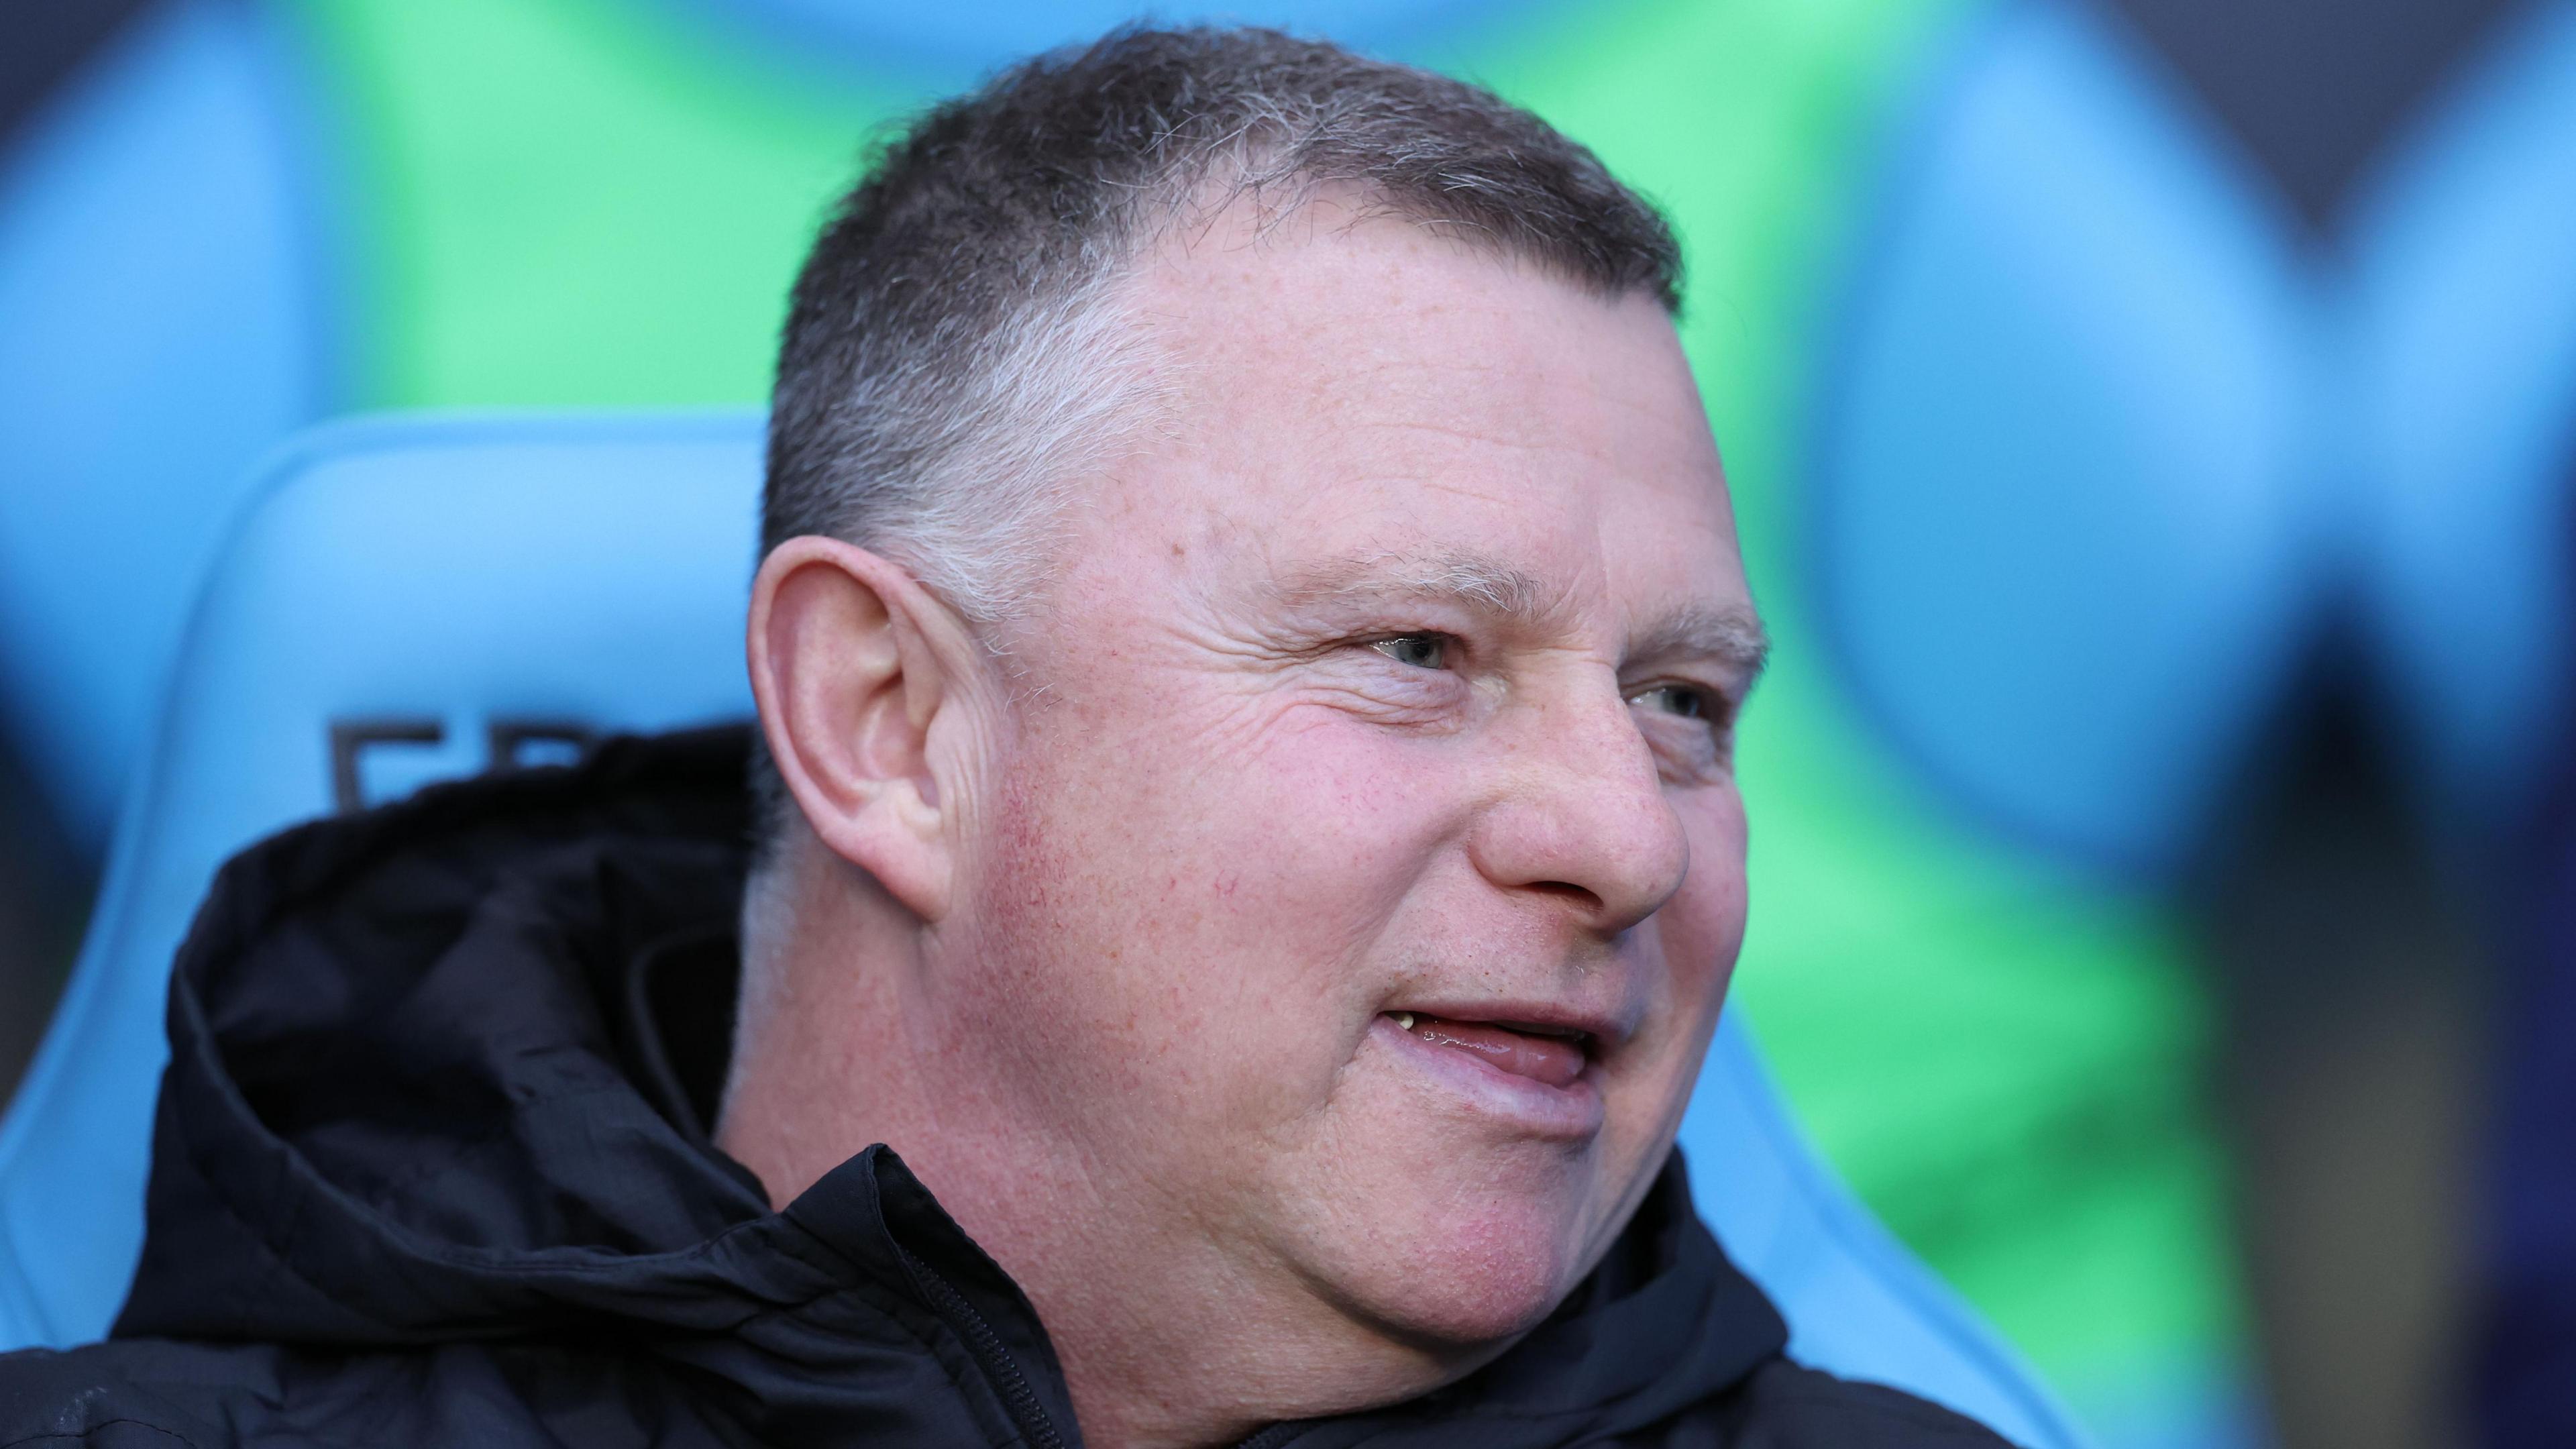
(2154,425)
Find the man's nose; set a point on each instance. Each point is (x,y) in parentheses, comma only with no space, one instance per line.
(1581,813)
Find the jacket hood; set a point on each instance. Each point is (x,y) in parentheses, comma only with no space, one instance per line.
(444,1073)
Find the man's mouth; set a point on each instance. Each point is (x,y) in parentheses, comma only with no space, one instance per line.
(1553,1055)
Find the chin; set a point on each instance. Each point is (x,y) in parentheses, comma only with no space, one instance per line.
(1439,1222)
(1472,1313)
(1464,1279)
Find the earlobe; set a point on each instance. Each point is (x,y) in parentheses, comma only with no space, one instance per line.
(849,679)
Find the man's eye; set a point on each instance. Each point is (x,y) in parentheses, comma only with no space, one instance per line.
(1422,651)
(1674,699)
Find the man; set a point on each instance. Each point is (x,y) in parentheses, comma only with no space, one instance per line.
(1247,652)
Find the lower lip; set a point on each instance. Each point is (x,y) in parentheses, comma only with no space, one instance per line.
(1570,1113)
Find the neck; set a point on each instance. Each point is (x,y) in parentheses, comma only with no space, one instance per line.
(1169,1335)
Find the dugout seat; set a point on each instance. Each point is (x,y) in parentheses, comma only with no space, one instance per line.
(416,598)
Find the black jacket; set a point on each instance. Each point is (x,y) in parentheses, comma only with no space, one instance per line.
(431,1166)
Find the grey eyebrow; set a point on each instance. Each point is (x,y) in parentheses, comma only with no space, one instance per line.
(1458,577)
(1731,635)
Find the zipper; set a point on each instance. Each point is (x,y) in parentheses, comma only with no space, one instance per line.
(1000,1369)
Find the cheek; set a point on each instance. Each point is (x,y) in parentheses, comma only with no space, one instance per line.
(1702,927)
(1697,934)
(1238,830)
(1190,904)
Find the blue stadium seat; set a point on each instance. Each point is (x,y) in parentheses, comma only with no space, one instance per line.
(170,304)
(404,598)
(2059,477)
(2103,433)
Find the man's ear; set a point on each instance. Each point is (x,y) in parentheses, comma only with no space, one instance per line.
(851,663)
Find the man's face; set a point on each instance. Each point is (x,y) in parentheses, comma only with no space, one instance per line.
(1393,681)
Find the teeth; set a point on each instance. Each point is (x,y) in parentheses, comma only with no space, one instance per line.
(1403,1019)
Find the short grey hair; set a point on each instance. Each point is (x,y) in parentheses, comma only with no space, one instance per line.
(955,355)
